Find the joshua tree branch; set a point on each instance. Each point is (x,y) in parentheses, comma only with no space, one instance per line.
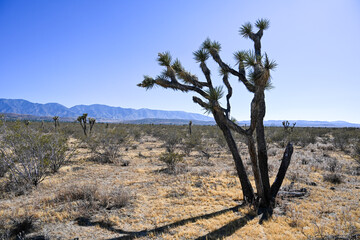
(178,86)
(228,96)
(282,170)
(241,75)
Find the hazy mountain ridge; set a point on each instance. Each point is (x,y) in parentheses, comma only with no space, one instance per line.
(21,109)
(98,111)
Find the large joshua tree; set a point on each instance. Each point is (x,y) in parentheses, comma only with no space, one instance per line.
(253,71)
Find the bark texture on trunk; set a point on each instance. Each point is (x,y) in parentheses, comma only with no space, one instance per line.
(285,162)
(262,151)
(247,189)
(255,165)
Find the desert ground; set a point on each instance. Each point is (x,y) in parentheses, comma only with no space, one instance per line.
(121,182)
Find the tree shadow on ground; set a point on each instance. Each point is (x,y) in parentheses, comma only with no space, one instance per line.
(229,229)
(226,230)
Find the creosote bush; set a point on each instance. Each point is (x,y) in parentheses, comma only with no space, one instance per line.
(106,145)
(192,142)
(30,155)
(171,159)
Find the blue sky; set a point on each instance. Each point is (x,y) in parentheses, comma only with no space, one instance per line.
(86,52)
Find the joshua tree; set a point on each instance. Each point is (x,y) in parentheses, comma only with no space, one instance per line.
(82,121)
(253,70)
(190,123)
(91,122)
(56,121)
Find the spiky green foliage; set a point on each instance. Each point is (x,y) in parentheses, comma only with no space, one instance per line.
(147,83)
(164,59)
(177,66)
(246,30)
(223,72)
(185,76)
(215,93)
(216,45)
(269,64)
(262,23)
(250,59)
(201,55)
(240,56)
(208,44)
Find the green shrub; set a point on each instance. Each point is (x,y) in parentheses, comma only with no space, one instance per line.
(171,159)
(30,154)
(105,145)
(192,142)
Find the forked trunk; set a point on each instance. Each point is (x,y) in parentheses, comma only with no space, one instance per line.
(254,165)
(247,189)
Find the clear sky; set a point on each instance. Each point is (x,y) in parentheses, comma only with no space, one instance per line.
(87,52)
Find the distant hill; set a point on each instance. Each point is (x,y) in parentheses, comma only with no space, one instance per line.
(21,109)
(169,121)
(102,113)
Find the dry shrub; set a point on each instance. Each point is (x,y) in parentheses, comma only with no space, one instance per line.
(333,178)
(272,152)
(91,197)
(77,192)
(3,168)
(115,198)
(357,152)
(16,228)
(22,226)
(327,147)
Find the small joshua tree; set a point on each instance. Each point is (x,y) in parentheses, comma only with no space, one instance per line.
(56,121)
(254,72)
(82,121)
(190,123)
(91,123)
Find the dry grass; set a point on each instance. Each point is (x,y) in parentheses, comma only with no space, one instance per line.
(90,200)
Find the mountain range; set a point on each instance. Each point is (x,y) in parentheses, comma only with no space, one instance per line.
(102,113)
(22,109)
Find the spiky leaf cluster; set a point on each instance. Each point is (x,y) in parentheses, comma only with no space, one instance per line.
(262,24)
(246,30)
(240,56)
(164,59)
(216,93)
(211,45)
(269,64)
(177,66)
(201,55)
(147,83)
(223,72)
(250,59)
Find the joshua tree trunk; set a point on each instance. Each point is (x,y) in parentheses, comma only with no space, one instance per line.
(262,152)
(247,189)
(255,165)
